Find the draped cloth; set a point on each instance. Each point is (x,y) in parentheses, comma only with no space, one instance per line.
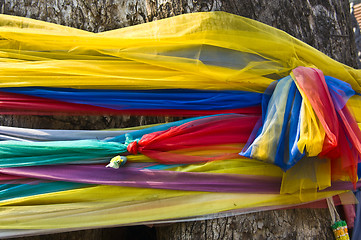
(191,65)
(249,84)
(307,116)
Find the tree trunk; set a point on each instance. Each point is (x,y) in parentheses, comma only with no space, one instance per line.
(277,224)
(326,25)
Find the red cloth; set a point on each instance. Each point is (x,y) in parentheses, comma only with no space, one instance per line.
(202,133)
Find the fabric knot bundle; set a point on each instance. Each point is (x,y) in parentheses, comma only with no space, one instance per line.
(307,116)
(133,148)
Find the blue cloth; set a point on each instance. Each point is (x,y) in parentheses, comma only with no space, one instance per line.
(146,99)
(283,147)
(279,131)
(11,191)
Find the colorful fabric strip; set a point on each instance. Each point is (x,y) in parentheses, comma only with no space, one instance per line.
(146,178)
(155,142)
(132,177)
(13,190)
(27,134)
(186,99)
(14,103)
(307,115)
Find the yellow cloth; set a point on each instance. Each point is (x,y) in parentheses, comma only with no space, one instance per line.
(111,205)
(213,50)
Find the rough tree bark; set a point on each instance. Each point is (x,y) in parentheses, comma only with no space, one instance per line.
(324,24)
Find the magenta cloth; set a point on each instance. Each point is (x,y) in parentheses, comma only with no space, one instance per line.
(317,204)
(133,177)
(350,214)
(340,185)
(5,177)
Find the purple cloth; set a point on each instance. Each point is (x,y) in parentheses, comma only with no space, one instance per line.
(340,185)
(134,177)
